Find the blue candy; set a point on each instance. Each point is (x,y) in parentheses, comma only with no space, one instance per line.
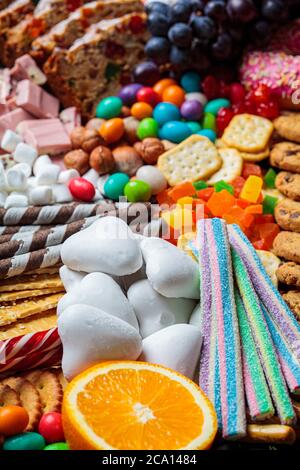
(209,133)
(190,82)
(175,131)
(165,112)
(194,126)
(213,106)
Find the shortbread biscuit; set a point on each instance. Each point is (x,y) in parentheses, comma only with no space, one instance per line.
(289,274)
(287,215)
(292,298)
(232,165)
(287,245)
(194,159)
(288,127)
(271,263)
(28,294)
(32,282)
(8,396)
(50,390)
(286,156)
(289,184)
(248,133)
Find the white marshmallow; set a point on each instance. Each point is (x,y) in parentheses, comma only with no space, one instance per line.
(24,167)
(92,176)
(3,181)
(16,179)
(177,347)
(67,175)
(101,182)
(107,246)
(25,154)
(89,335)
(3,196)
(70,279)
(48,174)
(170,271)
(16,200)
(9,141)
(155,312)
(195,319)
(153,176)
(41,195)
(61,193)
(40,162)
(31,182)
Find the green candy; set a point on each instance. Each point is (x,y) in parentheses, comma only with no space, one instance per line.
(270,178)
(109,108)
(194,126)
(220,185)
(214,106)
(198,185)
(137,191)
(209,122)
(114,186)
(148,127)
(57,446)
(269,204)
(25,441)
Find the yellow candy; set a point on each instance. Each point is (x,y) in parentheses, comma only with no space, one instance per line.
(252,188)
(179,218)
(185,201)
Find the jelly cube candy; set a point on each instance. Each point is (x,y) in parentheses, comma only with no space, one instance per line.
(252,188)
(251,169)
(180,190)
(163,198)
(242,203)
(220,203)
(236,215)
(238,184)
(185,201)
(269,204)
(269,178)
(254,209)
(205,194)
(199,185)
(223,185)
(264,219)
(179,218)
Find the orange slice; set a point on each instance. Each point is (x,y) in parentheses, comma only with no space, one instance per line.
(127,405)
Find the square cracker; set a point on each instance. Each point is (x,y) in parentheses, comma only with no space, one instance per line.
(248,133)
(194,159)
(247,156)
(231,168)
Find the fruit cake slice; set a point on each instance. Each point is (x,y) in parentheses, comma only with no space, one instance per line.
(14,13)
(46,14)
(4,3)
(97,63)
(66,32)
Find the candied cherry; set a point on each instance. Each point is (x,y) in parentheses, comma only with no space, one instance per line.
(224,90)
(260,94)
(211,87)
(237,93)
(239,108)
(223,118)
(268,110)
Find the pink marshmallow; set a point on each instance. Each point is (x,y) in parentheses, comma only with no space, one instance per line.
(9,121)
(35,100)
(48,136)
(26,68)
(70,118)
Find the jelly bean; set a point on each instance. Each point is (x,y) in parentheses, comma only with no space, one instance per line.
(191,109)
(214,105)
(109,107)
(153,176)
(128,93)
(13,420)
(209,133)
(50,427)
(148,95)
(190,82)
(162,84)
(112,130)
(114,186)
(175,131)
(194,126)
(209,122)
(141,110)
(165,112)
(148,127)
(174,94)
(81,189)
(137,191)
(25,441)
(196,96)
(57,446)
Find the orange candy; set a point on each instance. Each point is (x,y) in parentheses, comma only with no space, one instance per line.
(13,420)
(181,190)
(174,94)
(141,110)
(112,130)
(160,86)
(220,202)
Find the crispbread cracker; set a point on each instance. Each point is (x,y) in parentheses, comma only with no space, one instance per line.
(33,282)
(41,322)
(231,168)
(13,313)
(248,133)
(28,294)
(194,159)
(271,264)
(256,157)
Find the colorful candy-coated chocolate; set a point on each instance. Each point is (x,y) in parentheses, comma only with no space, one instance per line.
(162,84)
(209,121)
(128,93)
(209,133)
(112,130)
(13,420)
(214,105)
(50,427)
(148,127)
(191,109)
(25,441)
(194,126)
(141,110)
(190,82)
(165,112)
(137,191)
(57,446)
(148,95)
(114,186)
(175,131)
(174,94)
(196,96)
(109,107)
(81,189)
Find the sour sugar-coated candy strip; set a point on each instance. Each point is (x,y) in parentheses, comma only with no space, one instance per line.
(229,348)
(256,388)
(263,342)
(264,287)
(289,364)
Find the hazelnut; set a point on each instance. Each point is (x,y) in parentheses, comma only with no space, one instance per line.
(91,140)
(77,137)
(131,125)
(77,159)
(127,160)
(150,149)
(102,160)
(94,124)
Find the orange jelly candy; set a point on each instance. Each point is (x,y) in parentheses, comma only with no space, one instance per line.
(181,190)
(220,203)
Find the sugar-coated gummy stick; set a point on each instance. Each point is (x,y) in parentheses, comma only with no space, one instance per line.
(263,342)
(229,347)
(256,388)
(264,287)
(288,360)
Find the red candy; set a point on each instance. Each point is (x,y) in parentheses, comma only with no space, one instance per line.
(211,87)
(223,118)
(82,189)
(237,93)
(51,428)
(269,110)
(148,95)
(251,169)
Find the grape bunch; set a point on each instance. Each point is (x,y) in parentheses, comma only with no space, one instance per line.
(198,32)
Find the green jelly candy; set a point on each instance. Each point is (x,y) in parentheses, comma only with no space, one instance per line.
(214,106)
(209,122)
(270,178)
(220,185)
(198,185)
(57,446)
(269,204)
(194,126)
(137,191)
(109,108)
(114,186)
(25,441)
(148,127)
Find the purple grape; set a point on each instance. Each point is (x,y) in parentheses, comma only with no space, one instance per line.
(180,56)
(191,110)
(222,48)
(159,7)
(180,12)
(180,34)
(146,73)
(203,27)
(197,5)
(241,10)
(158,24)
(274,10)
(128,93)
(158,48)
(261,32)
(216,9)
